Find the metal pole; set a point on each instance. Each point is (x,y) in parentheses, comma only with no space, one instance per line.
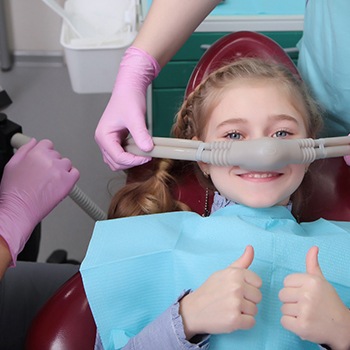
(5,56)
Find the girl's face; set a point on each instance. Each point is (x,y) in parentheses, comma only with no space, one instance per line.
(251,110)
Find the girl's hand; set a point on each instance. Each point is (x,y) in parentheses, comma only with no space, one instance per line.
(312,308)
(225,302)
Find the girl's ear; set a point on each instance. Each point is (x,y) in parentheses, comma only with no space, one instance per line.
(203,166)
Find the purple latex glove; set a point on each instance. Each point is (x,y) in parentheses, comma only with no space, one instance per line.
(34,181)
(126,111)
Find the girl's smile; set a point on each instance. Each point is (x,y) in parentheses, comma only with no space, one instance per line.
(259,176)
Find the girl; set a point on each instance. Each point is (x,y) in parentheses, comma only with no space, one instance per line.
(233,304)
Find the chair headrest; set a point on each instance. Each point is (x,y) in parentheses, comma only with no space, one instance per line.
(237,45)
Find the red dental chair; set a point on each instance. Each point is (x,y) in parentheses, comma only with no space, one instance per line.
(66,322)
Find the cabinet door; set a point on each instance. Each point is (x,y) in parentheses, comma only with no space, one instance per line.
(165,104)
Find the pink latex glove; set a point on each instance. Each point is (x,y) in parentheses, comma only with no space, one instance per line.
(34,181)
(126,111)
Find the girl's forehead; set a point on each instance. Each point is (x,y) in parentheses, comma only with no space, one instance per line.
(248,86)
(256,101)
(246,93)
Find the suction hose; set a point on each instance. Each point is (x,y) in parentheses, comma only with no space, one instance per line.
(77,195)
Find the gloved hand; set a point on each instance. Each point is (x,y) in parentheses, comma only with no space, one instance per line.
(34,181)
(126,111)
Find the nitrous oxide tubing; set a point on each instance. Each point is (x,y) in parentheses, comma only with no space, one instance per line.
(258,154)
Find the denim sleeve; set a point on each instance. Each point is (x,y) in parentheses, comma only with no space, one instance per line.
(165,332)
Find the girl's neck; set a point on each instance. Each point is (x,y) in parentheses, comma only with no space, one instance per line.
(222,202)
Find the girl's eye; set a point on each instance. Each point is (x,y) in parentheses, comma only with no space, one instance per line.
(234,135)
(281,133)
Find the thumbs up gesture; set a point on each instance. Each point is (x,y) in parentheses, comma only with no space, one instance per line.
(225,302)
(312,308)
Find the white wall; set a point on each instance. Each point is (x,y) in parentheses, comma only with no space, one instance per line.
(32,26)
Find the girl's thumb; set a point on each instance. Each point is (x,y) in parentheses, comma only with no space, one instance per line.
(312,264)
(245,260)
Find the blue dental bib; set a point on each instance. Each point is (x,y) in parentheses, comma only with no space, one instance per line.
(136,267)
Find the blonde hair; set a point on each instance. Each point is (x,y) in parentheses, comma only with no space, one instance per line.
(155,194)
(150,194)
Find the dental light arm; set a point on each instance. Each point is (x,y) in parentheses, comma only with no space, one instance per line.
(77,195)
(258,154)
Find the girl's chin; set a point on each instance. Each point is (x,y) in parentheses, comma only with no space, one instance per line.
(263,204)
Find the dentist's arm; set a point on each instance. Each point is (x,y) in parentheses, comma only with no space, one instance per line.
(167,26)
(34,181)
(5,257)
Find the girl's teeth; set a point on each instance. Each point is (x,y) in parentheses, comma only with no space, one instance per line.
(260,176)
